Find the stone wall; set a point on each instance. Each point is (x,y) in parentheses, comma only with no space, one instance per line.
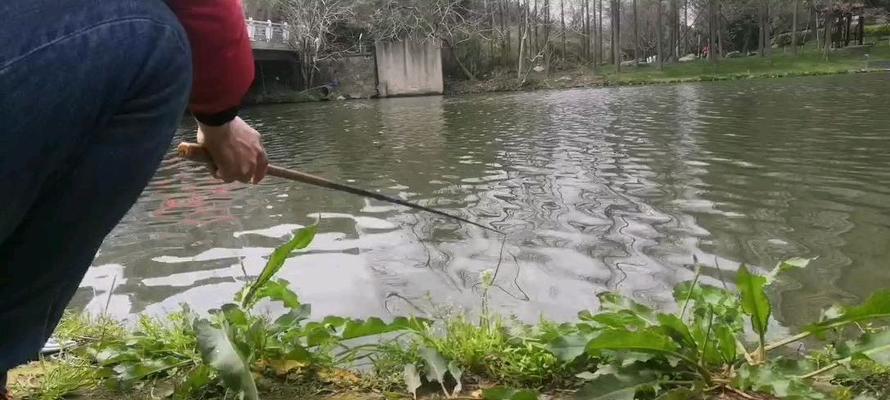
(355,73)
(409,68)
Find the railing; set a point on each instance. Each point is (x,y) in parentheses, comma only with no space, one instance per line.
(270,33)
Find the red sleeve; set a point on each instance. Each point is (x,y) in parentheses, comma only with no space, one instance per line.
(222,59)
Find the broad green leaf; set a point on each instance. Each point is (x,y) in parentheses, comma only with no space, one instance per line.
(623,319)
(298,353)
(618,384)
(776,380)
(725,343)
(234,314)
(412,379)
(196,381)
(294,316)
(375,326)
(456,373)
(754,300)
(615,302)
(702,293)
(877,306)
(641,341)
(301,240)
(672,326)
(500,393)
(567,348)
(436,366)
(875,347)
(278,290)
(218,351)
(786,266)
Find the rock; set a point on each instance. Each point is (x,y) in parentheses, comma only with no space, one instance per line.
(688,58)
(340,97)
(538,68)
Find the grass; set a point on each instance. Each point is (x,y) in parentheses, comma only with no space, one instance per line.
(625,350)
(809,62)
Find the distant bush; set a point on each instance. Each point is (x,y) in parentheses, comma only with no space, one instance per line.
(877,30)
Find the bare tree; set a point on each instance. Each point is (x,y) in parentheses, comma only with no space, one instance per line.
(447,21)
(615,12)
(659,47)
(311,33)
(636,34)
(829,20)
(712,31)
(562,16)
(674,21)
(600,33)
(794,27)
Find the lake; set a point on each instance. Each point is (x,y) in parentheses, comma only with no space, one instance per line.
(597,189)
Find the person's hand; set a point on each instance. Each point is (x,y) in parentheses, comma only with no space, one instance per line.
(236,150)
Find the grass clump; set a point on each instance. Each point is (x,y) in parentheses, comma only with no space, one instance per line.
(626,350)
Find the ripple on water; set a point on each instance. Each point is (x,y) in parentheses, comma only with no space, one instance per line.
(612,189)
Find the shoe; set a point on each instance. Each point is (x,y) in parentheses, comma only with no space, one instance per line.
(53,346)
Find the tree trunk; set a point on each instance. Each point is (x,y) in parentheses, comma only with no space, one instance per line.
(760,29)
(600,34)
(659,44)
(685,27)
(535,38)
(712,31)
(562,17)
(587,30)
(768,27)
(546,47)
(674,24)
(829,20)
(523,33)
(637,35)
(463,67)
(794,28)
(615,12)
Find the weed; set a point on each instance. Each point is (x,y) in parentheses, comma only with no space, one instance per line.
(624,350)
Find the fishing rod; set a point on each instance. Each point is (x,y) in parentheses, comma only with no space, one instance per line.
(196,152)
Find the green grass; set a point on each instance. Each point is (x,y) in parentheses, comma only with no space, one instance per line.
(622,349)
(809,62)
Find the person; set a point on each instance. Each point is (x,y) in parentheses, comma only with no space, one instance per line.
(91,92)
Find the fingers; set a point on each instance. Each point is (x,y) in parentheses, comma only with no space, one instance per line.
(261,167)
(237,152)
(247,170)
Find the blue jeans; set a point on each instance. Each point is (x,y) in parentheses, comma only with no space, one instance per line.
(91,92)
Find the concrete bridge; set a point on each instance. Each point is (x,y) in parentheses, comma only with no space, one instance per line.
(268,36)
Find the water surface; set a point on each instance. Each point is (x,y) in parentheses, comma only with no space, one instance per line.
(599,189)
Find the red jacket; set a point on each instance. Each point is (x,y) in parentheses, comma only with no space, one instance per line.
(222,59)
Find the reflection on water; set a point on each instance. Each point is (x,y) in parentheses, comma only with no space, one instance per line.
(610,189)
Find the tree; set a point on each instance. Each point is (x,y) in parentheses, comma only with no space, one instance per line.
(829,20)
(615,13)
(311,33)
(658,35)
(637,34)
(600,34)
(794,27)
(447,21)
(674,21)
(562,16)
(712,31)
